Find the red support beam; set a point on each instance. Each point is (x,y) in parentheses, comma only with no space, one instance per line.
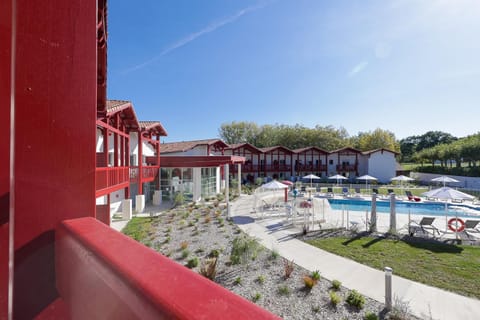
(140,162)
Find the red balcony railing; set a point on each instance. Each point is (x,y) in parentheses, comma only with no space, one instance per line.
(148,173)
(126,280)
(276,167)
(346,167)
(109,179)
(310,167)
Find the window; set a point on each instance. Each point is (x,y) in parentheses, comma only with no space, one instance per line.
(330,161)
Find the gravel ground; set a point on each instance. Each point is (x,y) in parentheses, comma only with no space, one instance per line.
(188,232)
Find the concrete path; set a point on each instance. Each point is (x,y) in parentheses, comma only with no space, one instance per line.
(424,301)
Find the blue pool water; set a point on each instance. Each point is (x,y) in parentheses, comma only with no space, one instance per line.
(435,209)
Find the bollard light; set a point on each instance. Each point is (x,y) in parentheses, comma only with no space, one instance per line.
(388,288)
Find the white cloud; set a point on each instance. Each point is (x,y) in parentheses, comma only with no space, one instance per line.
(358,68)
(192,36)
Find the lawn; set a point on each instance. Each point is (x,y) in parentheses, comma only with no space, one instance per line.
(451,267)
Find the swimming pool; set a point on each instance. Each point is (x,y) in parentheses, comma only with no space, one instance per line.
(404,207)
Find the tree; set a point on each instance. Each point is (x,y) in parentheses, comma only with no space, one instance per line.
(239,132)
(376,139)
(432,138)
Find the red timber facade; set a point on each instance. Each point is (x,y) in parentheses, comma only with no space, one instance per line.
(56,260)
(347,161)
(277,162)
(252,155)
(121,138)
(310,160)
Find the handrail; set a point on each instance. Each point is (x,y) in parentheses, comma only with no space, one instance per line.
(126,280)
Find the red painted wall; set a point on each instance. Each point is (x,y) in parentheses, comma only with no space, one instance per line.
(5,35)
(56,82)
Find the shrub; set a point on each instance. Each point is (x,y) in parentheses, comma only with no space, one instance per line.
(308,282)
(209,268)
(237,281)
(334,298)
(185,253)
(355,299)
(370,316)
(244,248)
(288,267)
(336,285)
(284,290)
(256,297)
(192,263)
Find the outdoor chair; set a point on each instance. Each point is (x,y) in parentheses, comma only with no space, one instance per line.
(411,197)
(390,191)
(471,228)
(345,192)
(358,193)
(375,190)
(425,225)
(329,192)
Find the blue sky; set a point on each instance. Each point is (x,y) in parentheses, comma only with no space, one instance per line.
(407,66)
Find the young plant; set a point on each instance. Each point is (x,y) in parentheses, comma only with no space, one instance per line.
(355,299)
(207,219)
(185,253)
(183,245)
(371,316)
(260,279)
(309,282)
(274,255)
(256,297)
(192,263)
(334,298)
(336,285)
(315,275)
(237,281)
(283,290)
(288,267)
(214,253)
(401,309)
(244,248)
(209,268)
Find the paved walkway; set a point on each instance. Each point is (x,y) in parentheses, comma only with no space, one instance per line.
(424,301)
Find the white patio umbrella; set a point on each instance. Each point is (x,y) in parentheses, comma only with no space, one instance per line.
(366,178)
(337,177)
(274,185)
(447,193)
(311,177)
(444,179)
(401,178)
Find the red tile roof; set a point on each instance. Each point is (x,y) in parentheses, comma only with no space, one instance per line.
(156,126)
(183,146)
(266,150)
(117,105)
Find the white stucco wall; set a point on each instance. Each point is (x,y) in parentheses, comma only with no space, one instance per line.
(116,199)
(382,166)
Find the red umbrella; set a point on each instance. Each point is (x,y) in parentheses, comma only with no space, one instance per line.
(287,182)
